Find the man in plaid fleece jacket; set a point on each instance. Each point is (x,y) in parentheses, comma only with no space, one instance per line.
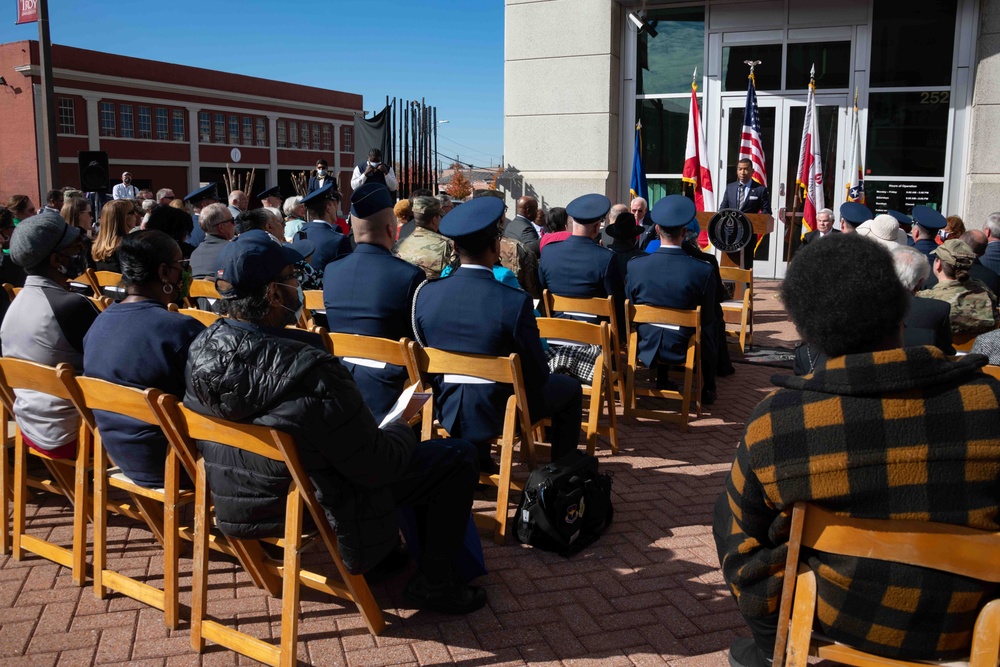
(876,432)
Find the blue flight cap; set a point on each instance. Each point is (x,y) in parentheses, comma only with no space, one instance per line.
(270,192)
(928,218)
(854,213)
(206,192)
(673,211)
(304,247)
(369,199)
(472,217)
(251,261)
(903,219)
(328,191)
(588,209)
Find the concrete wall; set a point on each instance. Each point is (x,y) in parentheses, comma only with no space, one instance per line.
(561,98)
(982,193)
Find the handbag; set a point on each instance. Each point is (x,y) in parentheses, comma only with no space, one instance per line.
(565,505)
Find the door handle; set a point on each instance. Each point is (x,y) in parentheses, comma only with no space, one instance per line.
(781,190)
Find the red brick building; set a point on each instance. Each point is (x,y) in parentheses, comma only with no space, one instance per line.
(170,125)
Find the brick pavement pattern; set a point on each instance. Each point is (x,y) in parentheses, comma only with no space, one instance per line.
(649,592)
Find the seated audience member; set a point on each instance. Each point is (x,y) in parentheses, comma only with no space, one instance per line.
(991,256)
(884,230)
(9,271)
(238,203)
(146,206)
(295,214)
(53,201)
(361,472)
(976,240)
(426,248)
(277,226)
(927,223)
(623,234)
(322,228)
(953,229)
(973,305)
(20,207)
(164,196)
(403,209)
(270,198)
(198,200)
(175,223)
(78,212)
(446,203)
(470,312)
(988,344)
(117,220)
(139,343)
(522,228)
(852,215)
(824,227)
(555,227)
(46,324)
(369,292)
(219,226)
(671,278)
(927,321)
(723,363)
(826,439)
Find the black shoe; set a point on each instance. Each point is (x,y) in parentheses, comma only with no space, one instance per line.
(725,372)
(394,563)
(744,653)
(708,396)
(489,466)
(449,597)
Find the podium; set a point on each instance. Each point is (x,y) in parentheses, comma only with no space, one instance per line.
(763,223)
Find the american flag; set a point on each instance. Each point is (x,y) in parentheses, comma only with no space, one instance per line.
(751,145)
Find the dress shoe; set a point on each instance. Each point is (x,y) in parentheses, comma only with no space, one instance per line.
(743,652)
(708,396)
(448,597)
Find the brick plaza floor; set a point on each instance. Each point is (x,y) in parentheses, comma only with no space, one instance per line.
(649,592)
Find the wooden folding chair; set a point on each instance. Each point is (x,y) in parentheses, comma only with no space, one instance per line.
(600,390)
(11,291)
(6,476)
(313,302)
(692,383)
(69,476)
(739,309)
(201,289)
(100,281)
(156,507)
(963,342)
(596,306)
(101,302)
(188,426)
(206,317)
(384,350)
(517,426)
(963,551)
(992,371)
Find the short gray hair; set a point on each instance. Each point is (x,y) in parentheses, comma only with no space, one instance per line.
(993,224)
(444,200)
(829,213)
(290,204)
(212,215)
(911,266)
(162,192)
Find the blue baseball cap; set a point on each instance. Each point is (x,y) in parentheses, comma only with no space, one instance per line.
(251,261)
(328,191)
(472,217)
(855,213)
(928,218)
(209,191)
(369,199)
(673,211)
(588,209)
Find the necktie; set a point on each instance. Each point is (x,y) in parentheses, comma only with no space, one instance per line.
(739,200)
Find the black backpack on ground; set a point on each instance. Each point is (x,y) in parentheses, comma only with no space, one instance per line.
(565,506)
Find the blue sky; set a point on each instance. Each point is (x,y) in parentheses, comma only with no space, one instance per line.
(449,52)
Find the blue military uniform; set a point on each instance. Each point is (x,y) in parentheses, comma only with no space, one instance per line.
(671,278)
(370,292)
(930,220)
(854,214)
(470,312)
(578,267)
(209,191)
(330,243)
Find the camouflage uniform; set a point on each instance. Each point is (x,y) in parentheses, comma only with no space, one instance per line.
(973,305)
(428,250)
(523,263)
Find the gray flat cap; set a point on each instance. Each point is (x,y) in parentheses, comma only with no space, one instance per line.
(38,237)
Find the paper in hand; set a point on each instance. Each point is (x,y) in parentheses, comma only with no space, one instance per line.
(407,405)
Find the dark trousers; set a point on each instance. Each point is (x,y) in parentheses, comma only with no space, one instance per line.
(763,628)
(561,400)
(439,485)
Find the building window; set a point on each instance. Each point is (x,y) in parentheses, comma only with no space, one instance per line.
(204,127)
(178,125)
(67,116)
(907,133)
(735,71)
(293,134)
(128,129)
(900,60)
(161,124)
(234,130)
(282,134)
(247,131)
(326,138)
(315,136)
(145,123)
(664,63)
(832,60)
(261,133)
(220,128)
(348,139)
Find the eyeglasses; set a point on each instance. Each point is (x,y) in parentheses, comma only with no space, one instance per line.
(232,220)
(185,263)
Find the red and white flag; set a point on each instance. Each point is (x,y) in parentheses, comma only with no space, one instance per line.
(809,175)
(696,171)
(27,11)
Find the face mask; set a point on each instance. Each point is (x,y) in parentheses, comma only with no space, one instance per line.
(374,164)
(321,172)
(943,234)
(76,266)
(128,180)
(297,311)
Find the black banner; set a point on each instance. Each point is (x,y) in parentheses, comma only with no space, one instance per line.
(372,133)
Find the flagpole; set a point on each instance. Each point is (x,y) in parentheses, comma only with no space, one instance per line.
(49,170)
